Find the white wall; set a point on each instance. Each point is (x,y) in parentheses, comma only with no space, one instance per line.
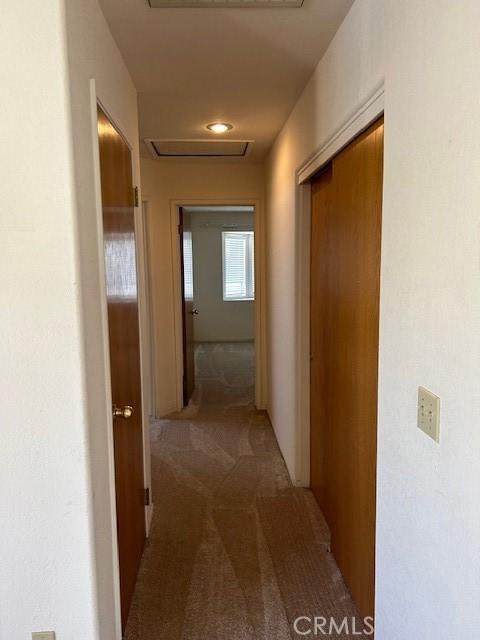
(164,184)
(47,564)
(218,320)
(428,564)
(58,566)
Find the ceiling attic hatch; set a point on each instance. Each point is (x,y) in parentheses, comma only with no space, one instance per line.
(198,148)
(222,4)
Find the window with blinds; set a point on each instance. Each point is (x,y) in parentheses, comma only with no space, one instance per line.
(188,265)
(238,265)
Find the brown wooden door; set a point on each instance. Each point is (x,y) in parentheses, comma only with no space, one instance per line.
(345,289)
(123,325)
(188,306)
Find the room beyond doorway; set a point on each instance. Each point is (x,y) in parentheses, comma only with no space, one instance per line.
(217,252)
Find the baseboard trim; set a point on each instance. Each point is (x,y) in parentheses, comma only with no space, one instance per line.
(148,517)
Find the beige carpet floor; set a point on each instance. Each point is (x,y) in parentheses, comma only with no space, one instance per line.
(235,551)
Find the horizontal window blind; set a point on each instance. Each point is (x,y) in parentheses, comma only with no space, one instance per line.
(238,265)
(188,265)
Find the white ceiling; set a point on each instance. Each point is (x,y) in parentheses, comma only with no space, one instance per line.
(245,66)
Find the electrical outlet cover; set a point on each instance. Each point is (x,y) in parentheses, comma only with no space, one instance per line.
(428,413)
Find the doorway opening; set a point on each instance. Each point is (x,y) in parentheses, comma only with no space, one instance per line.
(217,264)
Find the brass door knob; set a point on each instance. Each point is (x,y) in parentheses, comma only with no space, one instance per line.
(122,412)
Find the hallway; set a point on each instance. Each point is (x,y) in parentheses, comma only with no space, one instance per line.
(235,551)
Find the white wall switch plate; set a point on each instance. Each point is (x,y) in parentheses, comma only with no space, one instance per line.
(428,413)
(43,635)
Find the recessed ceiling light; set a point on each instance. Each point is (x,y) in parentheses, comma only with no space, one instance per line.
(219,127)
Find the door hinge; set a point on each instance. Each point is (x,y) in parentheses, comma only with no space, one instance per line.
(135,196)
(147,496)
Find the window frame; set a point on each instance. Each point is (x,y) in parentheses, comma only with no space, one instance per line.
(249,267)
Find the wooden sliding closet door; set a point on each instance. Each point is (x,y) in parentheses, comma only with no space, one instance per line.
(345,289)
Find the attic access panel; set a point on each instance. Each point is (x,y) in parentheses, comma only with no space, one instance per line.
(222,4)
(198,148)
